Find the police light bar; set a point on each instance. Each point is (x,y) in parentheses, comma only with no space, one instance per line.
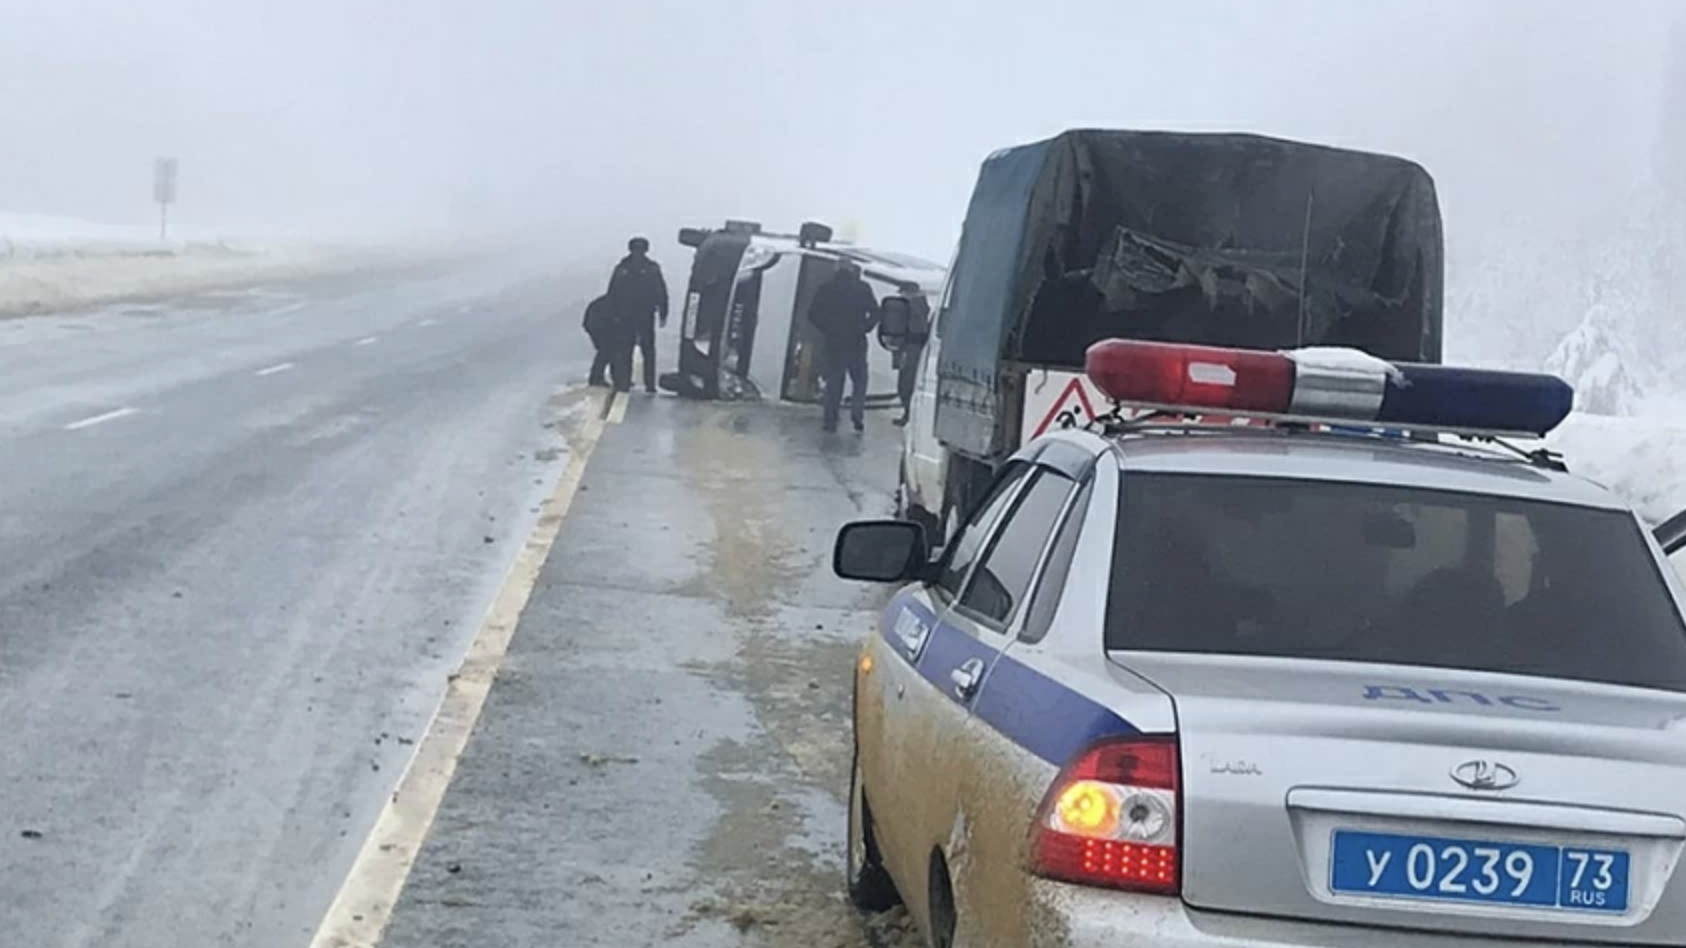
(1328,384)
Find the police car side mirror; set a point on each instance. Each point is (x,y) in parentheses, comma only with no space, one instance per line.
(881,551)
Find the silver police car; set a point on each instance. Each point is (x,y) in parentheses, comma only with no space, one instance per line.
(1287,686)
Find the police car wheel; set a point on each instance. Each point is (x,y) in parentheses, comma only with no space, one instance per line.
(940,905)
(870,887)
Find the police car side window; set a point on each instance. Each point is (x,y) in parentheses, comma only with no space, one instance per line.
(1045,597)
(969,541)
(1003,576)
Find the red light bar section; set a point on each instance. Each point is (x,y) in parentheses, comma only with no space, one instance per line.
(1156,373)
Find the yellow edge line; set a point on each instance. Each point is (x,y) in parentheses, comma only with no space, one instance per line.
(361,911)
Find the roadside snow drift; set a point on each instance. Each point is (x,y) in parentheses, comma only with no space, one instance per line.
(1643,460)
(52,264)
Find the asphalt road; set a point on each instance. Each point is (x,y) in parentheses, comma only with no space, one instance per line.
(243,540)
(664,755)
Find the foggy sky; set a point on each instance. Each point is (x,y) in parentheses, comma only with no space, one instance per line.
(580,118)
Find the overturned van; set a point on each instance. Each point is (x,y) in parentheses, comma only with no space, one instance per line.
(744,332)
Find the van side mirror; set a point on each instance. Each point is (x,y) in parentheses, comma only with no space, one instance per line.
(881,551)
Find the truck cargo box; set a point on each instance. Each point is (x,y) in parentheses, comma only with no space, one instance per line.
(1222,239)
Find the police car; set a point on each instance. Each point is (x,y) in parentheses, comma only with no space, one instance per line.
(1339,680)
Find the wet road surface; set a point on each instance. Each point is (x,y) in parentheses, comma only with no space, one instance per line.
(243,540)
(663,757)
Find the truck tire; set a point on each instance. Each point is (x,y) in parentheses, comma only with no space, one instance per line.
(965,485)
(906,510)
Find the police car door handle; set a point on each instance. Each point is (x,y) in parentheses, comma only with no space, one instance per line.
(966,677)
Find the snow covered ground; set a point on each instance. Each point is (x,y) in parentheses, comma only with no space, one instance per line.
(1643,459)
(52,264)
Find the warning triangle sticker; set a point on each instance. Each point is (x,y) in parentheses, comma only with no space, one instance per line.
(1064,413)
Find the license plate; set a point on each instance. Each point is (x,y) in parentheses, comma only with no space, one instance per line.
(1465,870)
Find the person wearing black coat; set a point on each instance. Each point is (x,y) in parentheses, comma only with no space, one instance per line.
(638,298)
(599,321)
(844,312)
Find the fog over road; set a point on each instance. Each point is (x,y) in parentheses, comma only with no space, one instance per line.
(243,540)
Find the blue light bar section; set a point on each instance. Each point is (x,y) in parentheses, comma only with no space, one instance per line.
(1475,399)
(1397,434)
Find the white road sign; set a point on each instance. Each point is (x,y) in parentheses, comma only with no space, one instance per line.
(164,181)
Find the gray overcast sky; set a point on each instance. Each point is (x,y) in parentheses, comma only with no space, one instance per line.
(597,118)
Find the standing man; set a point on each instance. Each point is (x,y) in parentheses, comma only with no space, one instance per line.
(638,297)
(844,311)
(912,350)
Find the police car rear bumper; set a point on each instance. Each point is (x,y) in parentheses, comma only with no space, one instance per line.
(1079,917)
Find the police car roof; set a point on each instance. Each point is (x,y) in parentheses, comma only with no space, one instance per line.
(1264,452)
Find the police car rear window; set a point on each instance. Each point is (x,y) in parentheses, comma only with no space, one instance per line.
(1374,573)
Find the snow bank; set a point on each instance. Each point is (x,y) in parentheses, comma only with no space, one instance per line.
(1642,459)
(52,264)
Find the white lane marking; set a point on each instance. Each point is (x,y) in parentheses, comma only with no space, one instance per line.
(366,340)
(282,367)
(360,912)
(287,309)
(99,419)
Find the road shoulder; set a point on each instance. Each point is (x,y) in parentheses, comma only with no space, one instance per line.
(662,756)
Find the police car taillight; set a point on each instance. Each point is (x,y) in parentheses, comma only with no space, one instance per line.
(1111,818)
(1328,383)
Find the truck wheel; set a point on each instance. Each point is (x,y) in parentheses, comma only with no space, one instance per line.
(915,513)
(933,527)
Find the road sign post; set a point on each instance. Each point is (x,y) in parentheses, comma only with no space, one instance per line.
(164,192)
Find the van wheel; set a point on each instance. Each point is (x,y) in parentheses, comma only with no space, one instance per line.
(870,886)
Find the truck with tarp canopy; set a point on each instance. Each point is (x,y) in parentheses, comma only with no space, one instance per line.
(1220,239)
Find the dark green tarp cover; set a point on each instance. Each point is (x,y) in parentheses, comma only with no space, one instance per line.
(1190,237)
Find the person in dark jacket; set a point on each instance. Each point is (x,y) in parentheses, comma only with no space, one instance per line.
(599,326)
(844,312)
(912,350)
(638,298)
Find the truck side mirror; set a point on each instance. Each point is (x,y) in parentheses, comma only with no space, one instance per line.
(881,551)
(896,330)
(893,319)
